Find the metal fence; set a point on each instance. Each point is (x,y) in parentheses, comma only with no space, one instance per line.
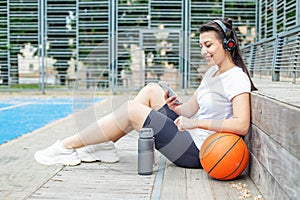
(115,45)
(277,16)
(109,45)
(276,58)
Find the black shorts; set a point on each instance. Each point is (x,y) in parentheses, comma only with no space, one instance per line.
(177,146)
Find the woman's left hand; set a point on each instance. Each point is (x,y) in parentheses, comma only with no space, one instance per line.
(184,123)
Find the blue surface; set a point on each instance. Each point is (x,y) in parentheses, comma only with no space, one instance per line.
(2,105)
(21,116)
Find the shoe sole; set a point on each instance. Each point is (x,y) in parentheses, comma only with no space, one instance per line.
(99,160)
(98,157)
(41,161)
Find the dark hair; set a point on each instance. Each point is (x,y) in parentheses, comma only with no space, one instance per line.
(236,52)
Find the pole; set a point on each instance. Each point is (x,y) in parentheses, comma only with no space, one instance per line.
(42,46)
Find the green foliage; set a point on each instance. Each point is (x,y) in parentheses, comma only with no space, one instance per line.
(25,86)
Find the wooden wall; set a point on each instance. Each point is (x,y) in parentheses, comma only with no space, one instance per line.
(274,144)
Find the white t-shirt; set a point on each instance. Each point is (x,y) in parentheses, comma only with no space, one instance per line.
(214,97)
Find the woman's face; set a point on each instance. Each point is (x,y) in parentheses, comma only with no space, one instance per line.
(212,49)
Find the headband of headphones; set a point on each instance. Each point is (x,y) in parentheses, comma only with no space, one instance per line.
(229,43)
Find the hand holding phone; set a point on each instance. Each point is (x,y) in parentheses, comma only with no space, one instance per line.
(165,86)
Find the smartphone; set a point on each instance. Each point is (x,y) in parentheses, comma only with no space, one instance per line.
(165,86)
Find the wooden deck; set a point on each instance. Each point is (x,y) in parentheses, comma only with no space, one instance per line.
(22,178)
(99,180)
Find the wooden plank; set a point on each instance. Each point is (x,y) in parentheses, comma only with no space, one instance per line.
(240,188)
(198,186)
(190,184)
(159,178)
(174,183)
(88,195)
(265,182)
(280,163)
(203,187)
(278,120)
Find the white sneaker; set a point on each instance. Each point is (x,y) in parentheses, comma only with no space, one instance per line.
(104,152)
(57,154)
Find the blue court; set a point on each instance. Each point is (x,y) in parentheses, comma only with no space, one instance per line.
(19,116)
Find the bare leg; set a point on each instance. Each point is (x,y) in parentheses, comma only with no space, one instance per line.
(152,96)
(131,115)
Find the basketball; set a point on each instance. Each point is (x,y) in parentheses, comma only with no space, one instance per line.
(224,156)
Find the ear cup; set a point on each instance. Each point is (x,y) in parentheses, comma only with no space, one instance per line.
(229,44)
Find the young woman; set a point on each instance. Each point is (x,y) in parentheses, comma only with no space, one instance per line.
(220,104)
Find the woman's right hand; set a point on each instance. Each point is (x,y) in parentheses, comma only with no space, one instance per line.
(172,101)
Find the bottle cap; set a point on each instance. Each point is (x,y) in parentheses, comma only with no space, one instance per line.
(146,133)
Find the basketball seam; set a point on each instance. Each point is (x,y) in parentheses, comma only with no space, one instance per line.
(239,164)
(223,156)
(203,153)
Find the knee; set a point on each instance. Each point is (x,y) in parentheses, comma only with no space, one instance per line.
(153,88)
(137,112)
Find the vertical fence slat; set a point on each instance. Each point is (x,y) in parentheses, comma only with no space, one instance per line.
(275,68)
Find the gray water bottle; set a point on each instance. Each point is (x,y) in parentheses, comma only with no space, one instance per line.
(145,151)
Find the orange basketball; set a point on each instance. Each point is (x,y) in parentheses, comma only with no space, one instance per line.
(224,156)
